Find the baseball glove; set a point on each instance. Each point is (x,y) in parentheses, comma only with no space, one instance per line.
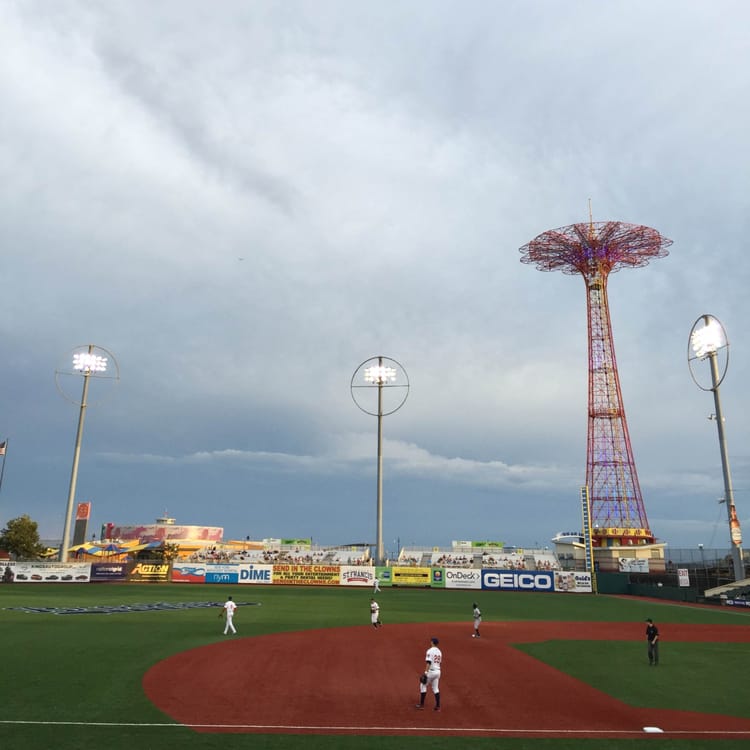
(423,679)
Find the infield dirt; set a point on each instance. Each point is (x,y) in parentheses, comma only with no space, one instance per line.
(361,680)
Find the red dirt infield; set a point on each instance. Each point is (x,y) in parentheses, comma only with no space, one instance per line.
(359,680)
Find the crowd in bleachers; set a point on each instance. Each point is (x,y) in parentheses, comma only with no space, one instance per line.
(442,559)
(547,562)
(506,562)
(346,557)
(408,560)
(210,555)
(457,558)
(298,556)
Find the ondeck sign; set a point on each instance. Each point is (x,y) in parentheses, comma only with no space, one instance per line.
(517,580)
(463,578)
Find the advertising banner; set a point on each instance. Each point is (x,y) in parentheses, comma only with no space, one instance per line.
(411,576)
(50,572)
(384,575)
(253,573)
(222,573)
(188,572)
(109,571)
(80,530)
(571,581)
(306,575)
(437,580)
(143,572)
(296,542)
(515,580)
(683,576)
(357,576)
(166,533)
(632,565)
(463,578)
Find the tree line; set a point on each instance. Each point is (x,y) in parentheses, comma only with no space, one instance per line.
(20,537)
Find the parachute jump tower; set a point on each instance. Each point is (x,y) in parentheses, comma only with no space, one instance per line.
(595,250)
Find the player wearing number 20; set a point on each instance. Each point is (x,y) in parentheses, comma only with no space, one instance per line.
(431,676)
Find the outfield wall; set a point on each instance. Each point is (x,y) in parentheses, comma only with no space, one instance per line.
(289,574)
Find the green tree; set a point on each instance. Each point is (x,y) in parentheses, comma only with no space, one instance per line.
(21,538)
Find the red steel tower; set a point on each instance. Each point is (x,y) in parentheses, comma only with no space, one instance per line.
(595,250)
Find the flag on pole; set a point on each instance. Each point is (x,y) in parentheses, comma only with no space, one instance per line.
(3,449)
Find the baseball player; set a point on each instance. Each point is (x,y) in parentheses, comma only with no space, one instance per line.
(431,675)
(375,614)
(376,585)
(477,620)
(652,636)
(228,612)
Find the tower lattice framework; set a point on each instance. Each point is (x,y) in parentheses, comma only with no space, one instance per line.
(596,250)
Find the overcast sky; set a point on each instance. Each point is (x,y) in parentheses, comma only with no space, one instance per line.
(243,201)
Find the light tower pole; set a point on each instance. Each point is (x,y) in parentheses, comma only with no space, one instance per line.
(88,364)
(380,374)
(707,339)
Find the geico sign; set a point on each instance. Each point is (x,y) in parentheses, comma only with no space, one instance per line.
(513,580)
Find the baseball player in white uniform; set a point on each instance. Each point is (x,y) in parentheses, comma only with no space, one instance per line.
(376,585)
(477,620)
(431,676)
(228,612)
(375,613)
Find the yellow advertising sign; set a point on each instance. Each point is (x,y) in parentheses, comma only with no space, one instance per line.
(411,576)
(150,572)
(307,575)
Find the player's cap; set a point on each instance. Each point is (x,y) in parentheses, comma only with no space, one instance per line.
(474,605)
(435,640)
(648,619)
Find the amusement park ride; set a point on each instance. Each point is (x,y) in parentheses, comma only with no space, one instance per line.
(595,250)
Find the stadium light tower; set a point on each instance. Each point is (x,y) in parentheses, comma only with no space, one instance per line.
(380,374)
(595,250)
(87,363)
(707,341)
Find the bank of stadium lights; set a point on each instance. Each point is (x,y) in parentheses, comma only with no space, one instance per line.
(707,340)
(380,375)
(86,362)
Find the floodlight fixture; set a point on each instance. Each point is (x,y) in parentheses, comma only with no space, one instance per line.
(87,363)
(380,374)
(707,341)
(383,376)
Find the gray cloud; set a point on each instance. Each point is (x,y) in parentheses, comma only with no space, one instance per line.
(243,206)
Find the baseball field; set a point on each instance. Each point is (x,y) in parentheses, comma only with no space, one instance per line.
(123,665)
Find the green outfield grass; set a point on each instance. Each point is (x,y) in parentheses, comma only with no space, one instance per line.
(88,667)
